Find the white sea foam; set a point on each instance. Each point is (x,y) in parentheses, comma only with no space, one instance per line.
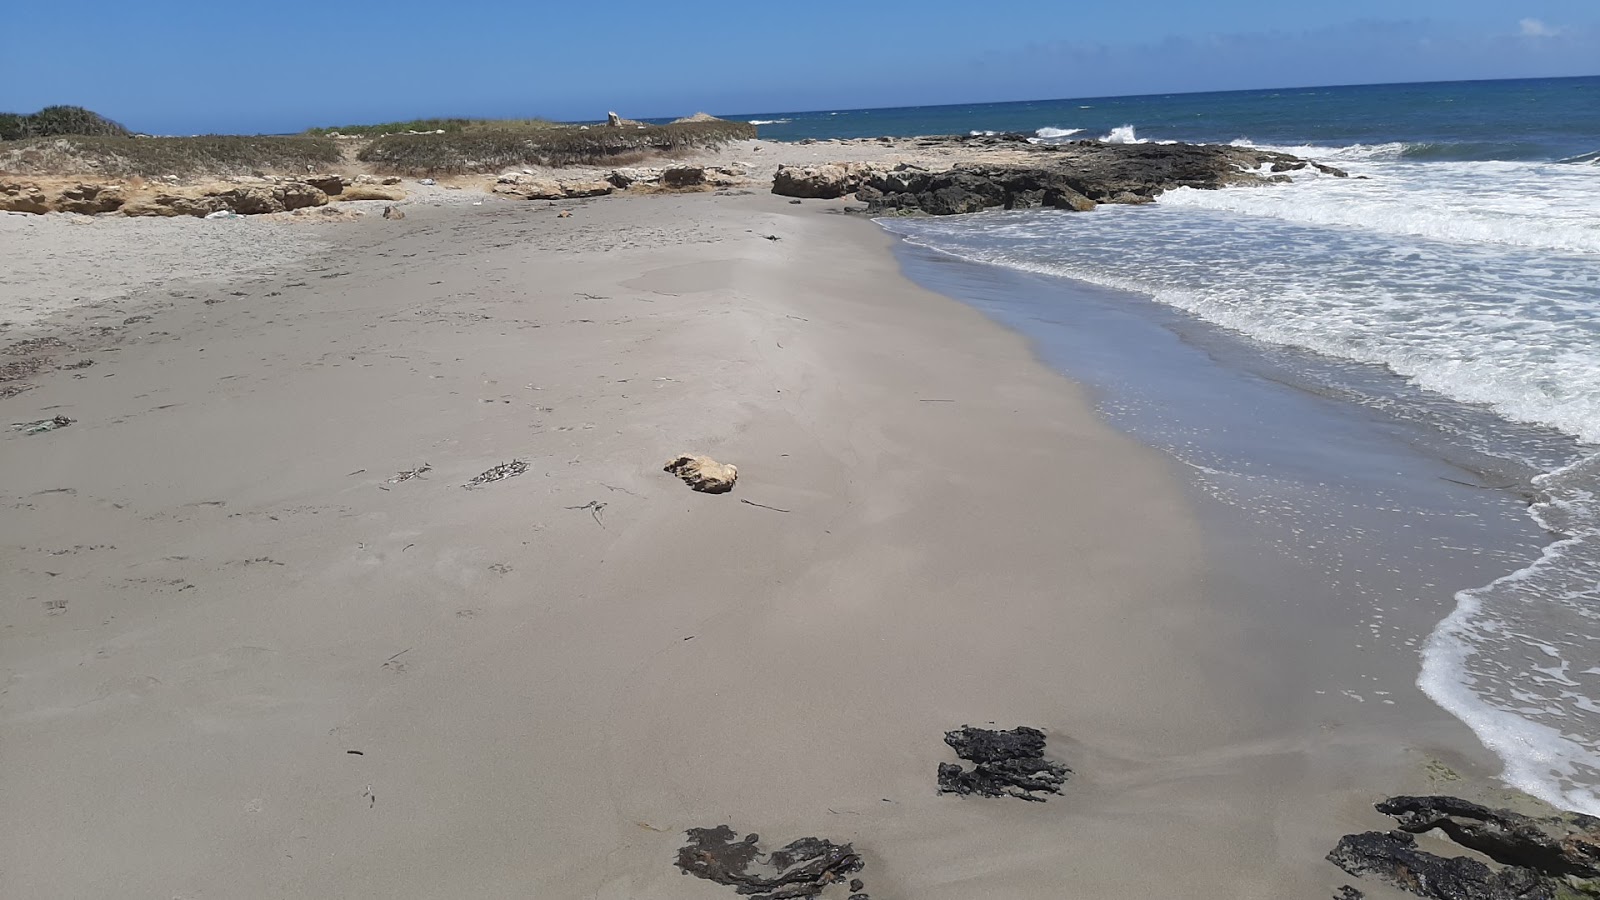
(1050,132)
(1476,281)
(770,121)
(1123,134)
(1478,666)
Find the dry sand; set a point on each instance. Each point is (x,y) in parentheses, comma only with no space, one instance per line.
(215,591)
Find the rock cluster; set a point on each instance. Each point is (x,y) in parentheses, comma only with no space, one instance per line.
(245,198)
(799,870)
(1547,858)
(1005,764)
(527,186)
(1076,176)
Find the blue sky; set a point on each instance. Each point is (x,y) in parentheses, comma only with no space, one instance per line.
(183,67)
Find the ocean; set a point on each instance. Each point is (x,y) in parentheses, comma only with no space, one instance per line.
(1450,289)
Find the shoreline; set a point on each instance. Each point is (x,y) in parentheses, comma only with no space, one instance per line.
(546,694)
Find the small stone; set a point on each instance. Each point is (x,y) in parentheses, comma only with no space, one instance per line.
(703,473)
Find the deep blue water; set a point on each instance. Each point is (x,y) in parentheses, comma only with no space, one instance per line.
(1534,119)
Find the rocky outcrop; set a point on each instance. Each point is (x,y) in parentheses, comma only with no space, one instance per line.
(972,188)
(1005,764)
(247,199)
(90,199)
(23,197)
(800,870)
(825,182)
(1546,858)
(332,185)
(703,473)
(1075,176)
(174,203)
(1562,845)
(1395,857)
(677,178)
(369,191)
(683,177)
(533,187)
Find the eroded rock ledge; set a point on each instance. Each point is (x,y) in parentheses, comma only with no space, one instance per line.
(1076,176)
(1554,857)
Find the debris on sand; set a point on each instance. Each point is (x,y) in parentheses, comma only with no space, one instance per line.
(594,507)
(409,474)
(703,473)
(42,425)
(1006,764)
(1538,858)
(498,473)
(798,871)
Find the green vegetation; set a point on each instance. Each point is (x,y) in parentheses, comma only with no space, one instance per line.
(155,157)
(448,126)
(57,120)
(490,148)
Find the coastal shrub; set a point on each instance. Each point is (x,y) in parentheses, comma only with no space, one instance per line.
(53,121)
(494,149)
(216,156)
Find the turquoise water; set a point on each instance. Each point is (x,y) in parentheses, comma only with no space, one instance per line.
(1534,119)
(1460,267)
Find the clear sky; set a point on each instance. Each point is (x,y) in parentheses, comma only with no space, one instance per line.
(178,66)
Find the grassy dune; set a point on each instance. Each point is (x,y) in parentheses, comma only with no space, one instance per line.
(491,148)
(74,141)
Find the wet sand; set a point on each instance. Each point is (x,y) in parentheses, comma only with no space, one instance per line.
(244,660)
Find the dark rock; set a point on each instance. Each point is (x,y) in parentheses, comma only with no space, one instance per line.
(1394,857)
(802,869)
(857,884)
(1330,170)
(1006,764)
(1348,892)
(1557,845)
(1077,175)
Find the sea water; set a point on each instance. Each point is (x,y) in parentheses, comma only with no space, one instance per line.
(1452,282)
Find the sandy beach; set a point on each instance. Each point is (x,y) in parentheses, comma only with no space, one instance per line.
(244,657)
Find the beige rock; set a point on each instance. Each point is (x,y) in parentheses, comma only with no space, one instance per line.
(529,188)
(90,199)
(367,191)
(16,196)
(251,200)
(704,474)
(572,189)
(328,184)
(174,203)
(300,195)
(533,187)
(626,178)
(392,179)
(824,182)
